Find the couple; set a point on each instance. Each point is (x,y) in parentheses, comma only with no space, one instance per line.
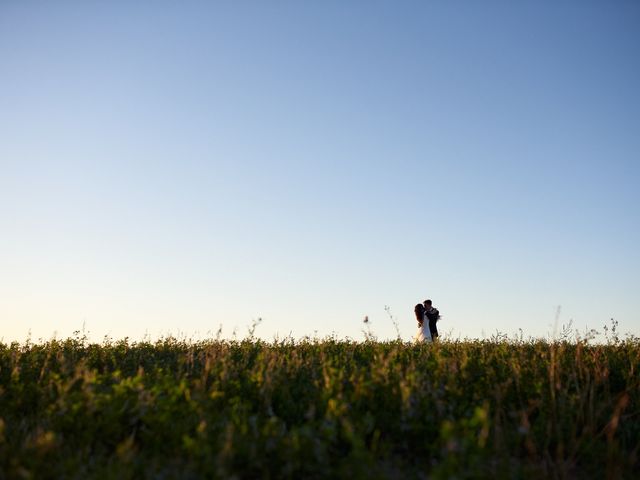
(426,311)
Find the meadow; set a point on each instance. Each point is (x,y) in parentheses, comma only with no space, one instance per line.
(499,408)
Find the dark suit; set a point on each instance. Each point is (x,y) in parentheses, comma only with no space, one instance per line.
(433,315)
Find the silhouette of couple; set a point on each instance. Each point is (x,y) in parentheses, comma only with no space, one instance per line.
(426,311)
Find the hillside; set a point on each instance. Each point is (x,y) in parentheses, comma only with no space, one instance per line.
(249,409)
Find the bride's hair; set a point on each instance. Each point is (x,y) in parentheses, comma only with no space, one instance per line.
(419,311)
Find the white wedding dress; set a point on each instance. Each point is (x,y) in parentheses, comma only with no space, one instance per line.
(423,334)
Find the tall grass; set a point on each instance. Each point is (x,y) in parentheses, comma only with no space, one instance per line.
(311,409)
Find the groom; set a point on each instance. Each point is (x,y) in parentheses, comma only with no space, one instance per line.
(432,315)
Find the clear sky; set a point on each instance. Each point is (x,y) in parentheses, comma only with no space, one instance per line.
(170,167)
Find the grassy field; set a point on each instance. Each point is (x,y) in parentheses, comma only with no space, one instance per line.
(317,409)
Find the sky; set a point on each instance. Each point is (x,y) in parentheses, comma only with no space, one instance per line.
(176,168)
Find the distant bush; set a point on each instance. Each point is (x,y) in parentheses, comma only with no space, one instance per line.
(313,409)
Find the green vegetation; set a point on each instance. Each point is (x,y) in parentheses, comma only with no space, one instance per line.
(312,409)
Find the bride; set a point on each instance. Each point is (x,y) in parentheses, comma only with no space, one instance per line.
(423,334)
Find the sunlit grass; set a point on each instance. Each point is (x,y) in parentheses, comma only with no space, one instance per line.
(320,408)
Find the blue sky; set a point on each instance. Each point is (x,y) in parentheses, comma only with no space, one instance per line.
(170,167)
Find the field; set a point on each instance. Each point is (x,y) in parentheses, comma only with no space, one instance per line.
(316,409)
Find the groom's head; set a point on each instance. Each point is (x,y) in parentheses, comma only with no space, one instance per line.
(427,304)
